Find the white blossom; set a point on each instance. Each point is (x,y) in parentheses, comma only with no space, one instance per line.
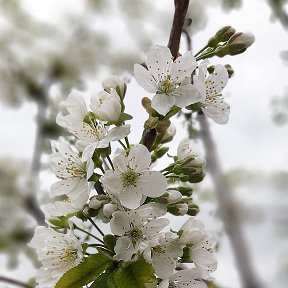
(163,252)
(74,110)
(134,227)
(106,105)
(57,252)
(73,172)
(195,236)
(214,106)
(97,135)
(188,278)
(168,79)
(131,180)
(114,82)
(186,151)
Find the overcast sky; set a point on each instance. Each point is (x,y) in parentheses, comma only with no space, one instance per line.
(250,139)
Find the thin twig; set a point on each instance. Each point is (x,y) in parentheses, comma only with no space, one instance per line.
(15,282)
(227,209)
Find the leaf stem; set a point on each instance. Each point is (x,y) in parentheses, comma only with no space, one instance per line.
(88,233)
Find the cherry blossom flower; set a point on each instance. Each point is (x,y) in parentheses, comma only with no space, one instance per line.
(133,228)
(195,236)
(188,278)
(106,105)
(214,106)
(131,180)
(168,79)
(57,252)
(163,252)
(73,172)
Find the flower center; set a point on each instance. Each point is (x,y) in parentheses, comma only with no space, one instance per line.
(98,130)
(158,249)
(166,86)
(129,178)
(135,235)
(68,255)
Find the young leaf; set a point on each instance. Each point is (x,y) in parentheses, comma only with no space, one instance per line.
(139,274)
(85,272)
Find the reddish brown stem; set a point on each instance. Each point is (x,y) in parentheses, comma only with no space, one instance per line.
(181,7)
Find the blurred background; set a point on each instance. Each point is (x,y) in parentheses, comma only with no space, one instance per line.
(49,47)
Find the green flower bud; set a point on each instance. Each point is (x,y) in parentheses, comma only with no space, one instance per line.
(178,209)
(185,191)
(146,103)
(158,153)
(151,122)
(221,35)
(230,70)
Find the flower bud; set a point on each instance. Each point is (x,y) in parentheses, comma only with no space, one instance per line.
(109,209)
(106,105)
(158,153)
(245,39)
(221,35)
(178,209)
(185,191)
(114,82)
(169,134)
(173,196)
(188,157)
(230,70)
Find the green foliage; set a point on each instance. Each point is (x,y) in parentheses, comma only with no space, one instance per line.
(84,273)
(139,274)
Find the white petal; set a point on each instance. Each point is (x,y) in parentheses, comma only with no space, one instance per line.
(153,227)
(219,114)
(186,275)
(162,103)
(124,249)
(120,223)
(182,67)
(63,187)
(118,133)
(216,81)
(159,59)
(186,95)
(164,284)
(76,105)
(89,151)
(139,158)
(145,79)
(202,71)
(130,197)
(112,182)
(120,163)
(164,266)
(152,183)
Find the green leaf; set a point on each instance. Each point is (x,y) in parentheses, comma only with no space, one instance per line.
(87,271)
(139,274)
(101,281)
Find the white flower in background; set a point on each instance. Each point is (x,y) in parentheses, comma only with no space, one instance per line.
(186,151)
(65,206)
(73,172)
(57,252)
(132,181)
(74,108)
(188,278)
(168,79)
(134,227)
(97,135)
(114,82)
(106,105)
(163,252)
(214,106)
(195,236)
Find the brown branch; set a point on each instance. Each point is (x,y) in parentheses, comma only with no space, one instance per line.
(227,209)
(181,7)
(15,282)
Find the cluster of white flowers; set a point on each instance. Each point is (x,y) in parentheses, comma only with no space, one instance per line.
(126,191)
